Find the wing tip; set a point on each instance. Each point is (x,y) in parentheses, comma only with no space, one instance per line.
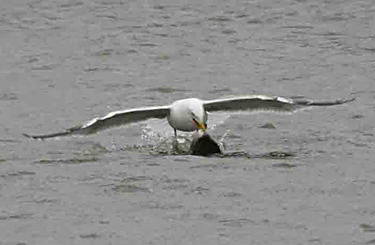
(27,135)
(323,103)
(52,135)
(33,137)
(343,101)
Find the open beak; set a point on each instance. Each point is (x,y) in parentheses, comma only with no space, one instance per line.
(200,125)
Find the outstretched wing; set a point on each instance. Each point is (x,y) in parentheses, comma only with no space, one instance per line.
(261,102)
(113,119)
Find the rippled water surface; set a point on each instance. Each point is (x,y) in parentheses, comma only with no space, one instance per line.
(302,178)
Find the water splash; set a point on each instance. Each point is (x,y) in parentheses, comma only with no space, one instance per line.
(160,140)
(216,119)
(222,144)
(160,135)
(163,146)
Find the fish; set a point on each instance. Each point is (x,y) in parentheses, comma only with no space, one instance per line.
(204,145)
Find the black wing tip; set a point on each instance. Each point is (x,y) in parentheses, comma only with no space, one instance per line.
(343,101)
(71,131)
(47,136)
(36,137)
(27,135)
(33,137)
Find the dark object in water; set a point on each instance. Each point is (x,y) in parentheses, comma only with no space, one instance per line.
(204,146)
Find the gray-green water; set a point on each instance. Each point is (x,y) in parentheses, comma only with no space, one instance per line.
(65,62)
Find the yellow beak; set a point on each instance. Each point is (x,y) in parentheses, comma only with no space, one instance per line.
(200,125)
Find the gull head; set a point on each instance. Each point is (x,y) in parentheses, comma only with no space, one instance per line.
(199,121)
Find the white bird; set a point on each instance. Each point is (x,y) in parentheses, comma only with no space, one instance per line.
(189,114)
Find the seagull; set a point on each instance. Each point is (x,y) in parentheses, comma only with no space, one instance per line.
(189,114)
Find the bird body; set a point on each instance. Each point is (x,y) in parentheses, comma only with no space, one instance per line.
(182,111)
(188,114)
